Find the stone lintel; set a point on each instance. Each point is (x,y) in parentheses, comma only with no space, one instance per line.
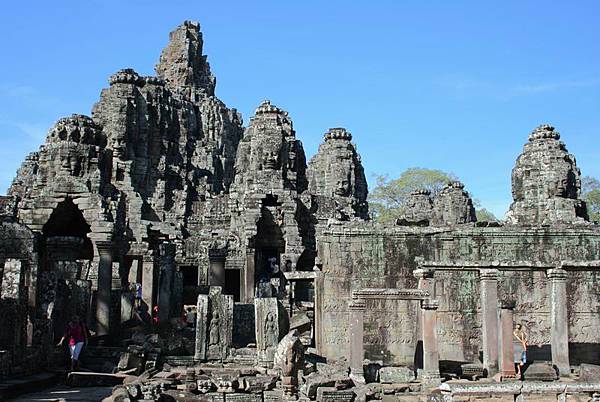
(557,274)
(488,274)
(357,305)
(568,265)
(508,304)
(300,275)
(430,304)
(104,246)
(390,294)
(424,273)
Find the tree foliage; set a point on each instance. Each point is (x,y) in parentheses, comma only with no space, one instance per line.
(590,190)
(482,214)
(387,199)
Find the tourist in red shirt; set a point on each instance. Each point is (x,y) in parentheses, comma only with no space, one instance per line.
(76,333)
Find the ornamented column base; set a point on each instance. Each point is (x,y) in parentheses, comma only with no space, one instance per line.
(290,388)
(358,378)
(431,379)
(505,376)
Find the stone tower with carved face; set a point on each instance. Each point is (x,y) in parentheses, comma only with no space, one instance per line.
(546,183)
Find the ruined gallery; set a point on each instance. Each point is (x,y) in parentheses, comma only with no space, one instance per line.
(162,205)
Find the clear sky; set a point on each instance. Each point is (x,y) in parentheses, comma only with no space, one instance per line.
(450,85)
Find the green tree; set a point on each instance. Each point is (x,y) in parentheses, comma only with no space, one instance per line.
(386,201)
(387,198)
(482,214)
(590,191)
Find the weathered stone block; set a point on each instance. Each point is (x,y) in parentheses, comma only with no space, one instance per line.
(395,375)
(589,372)
(540,372)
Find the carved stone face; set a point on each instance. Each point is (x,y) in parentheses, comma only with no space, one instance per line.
(119,146)
(342,188)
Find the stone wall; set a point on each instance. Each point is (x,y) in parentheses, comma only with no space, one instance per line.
(366,255)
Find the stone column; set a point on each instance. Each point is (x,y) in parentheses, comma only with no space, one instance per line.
(148,282)
(2,262)
(357,309)
(247,295)
(425,282)
(103,295)
(134,271)
(165,282)
(559,324)
(12,280)
(431,357)
(425,278)
(318,283)
(489,319)
(507,365)
(201,327)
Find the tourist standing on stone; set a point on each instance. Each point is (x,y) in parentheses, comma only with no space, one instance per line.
(77,334)
(520,347)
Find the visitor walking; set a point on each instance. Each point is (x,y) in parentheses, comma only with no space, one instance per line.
(138,294)
(520,347)
(77,335)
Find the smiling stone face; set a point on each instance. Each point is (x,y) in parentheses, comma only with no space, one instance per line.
(336,174)
(546,182)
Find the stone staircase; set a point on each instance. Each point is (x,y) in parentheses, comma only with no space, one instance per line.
(100,359)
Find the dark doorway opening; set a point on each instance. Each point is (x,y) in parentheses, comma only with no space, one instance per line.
(67,221)
(190,275)
(190,284)
(269,244)
(232,283)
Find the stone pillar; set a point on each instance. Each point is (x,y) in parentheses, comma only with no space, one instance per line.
(559,324)
(126,305)
(431,357)
(357,309)
(425,278)
(507,365)
(12,280)
(148,282)
(201,327)
(2,262)
(103,295)
(319,283)
(248,286)
(489,319)
(425,282)
(135,271)
(165,281)
(268,328)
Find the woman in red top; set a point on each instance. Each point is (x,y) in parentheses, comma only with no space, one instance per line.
(76,333)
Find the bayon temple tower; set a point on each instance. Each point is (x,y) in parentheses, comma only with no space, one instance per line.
(162,201)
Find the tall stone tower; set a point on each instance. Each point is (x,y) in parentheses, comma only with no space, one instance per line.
(337,178)
(546,183)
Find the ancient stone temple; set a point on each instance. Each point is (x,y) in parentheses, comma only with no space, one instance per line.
(161,205)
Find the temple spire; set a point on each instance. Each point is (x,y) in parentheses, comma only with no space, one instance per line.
(182,64)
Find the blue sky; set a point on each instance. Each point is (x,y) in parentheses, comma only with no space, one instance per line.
(450,85)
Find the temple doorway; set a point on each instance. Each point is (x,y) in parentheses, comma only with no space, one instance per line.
(233,283)
(269,245)
(190,284)
(66,256)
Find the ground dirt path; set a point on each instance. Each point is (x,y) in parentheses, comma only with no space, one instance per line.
(63,393)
